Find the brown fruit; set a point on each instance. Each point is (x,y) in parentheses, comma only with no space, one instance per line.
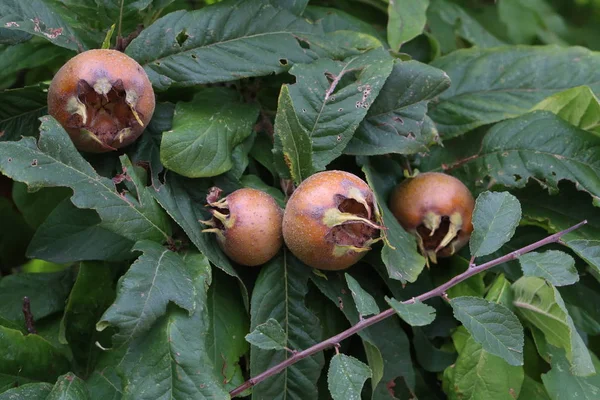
(247,224)
(331,220)
(436,208)
(103,99)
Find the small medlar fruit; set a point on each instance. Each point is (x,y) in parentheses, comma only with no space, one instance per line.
(436,208)
(103,99)
(330,220)
(247,224)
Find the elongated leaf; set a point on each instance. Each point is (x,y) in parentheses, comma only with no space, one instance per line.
(20,111)
(365,303)
(30,55)
(495,219)
(397,122)
(493,326)
(406,19)
(230,40)
(39,18)
(533,390)
(295,6)
(279,293)
(333,19)
(541,304)
(27,359)
(530,21)
(556,267)
(429,356)
(172,360)
(29,391)
(578,106)
(346,377)
(490,85)
(562,384)
(69,387)
(158,277)
(12,36)
(105,385)
(268,336)
(56,163)
(205,131)
(415,314)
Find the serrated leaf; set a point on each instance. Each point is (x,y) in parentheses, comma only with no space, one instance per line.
(399,254)
(406,20)
(226,41)
(205,132)
(21,110)
(396,122)
(346,377)
(29,391)
(556,267)
(268,336)
(579,106)
(365,303)
(561,383)
(156,278)
(415,313)
(172,360)
(28,358)
(69,387)
(56,162)
(506,82)
(541,305)
(493,326)
(279,293)
(495,219)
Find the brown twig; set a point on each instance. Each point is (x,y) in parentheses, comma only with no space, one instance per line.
(438,291)
(29,323)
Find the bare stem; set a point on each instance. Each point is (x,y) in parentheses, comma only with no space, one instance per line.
(438,291)
(29,322)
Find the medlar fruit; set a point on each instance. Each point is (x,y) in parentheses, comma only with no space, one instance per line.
(247,224)
(330,220)
(103,99)
(436,208)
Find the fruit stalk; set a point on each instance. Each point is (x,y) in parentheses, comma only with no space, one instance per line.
(436,292)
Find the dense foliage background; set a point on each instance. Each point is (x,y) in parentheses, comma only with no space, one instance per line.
(131,300)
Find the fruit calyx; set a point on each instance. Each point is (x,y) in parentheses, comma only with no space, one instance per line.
(219,209)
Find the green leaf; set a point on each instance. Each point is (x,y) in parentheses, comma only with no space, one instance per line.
(27,359)
(29,391)
(495,219)
(56,163)
(506,82)
(91,295)
(47,293)
(108,37)
(406,20)
(346,377)
(11,36)
(415,313)
(33,55)
(397,121)
(39,18)
(35,207)
(541,305)
(579,106)
(21,109)
(556,267)
(205,132)
(69,387)
(172,360)
(227,41)
(448,21)
(73,234)
(365,303)
(332,20)
(268,336)
(13,241)
(295,6)
(532,390)
(493,326)
(400,256)
(158,277)
(561,383)
(279,293)
(531,21)
(429,356)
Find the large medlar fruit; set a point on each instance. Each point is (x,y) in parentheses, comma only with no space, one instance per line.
(331,220)
(103,99)
(436,208)
(247,224)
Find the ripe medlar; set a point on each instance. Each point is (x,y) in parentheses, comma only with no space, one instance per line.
(330,220)
(247,224)
(103,99)
(436,208)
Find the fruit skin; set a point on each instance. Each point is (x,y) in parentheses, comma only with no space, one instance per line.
(78,95)
(318,232)
(247,224)
(433,201)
